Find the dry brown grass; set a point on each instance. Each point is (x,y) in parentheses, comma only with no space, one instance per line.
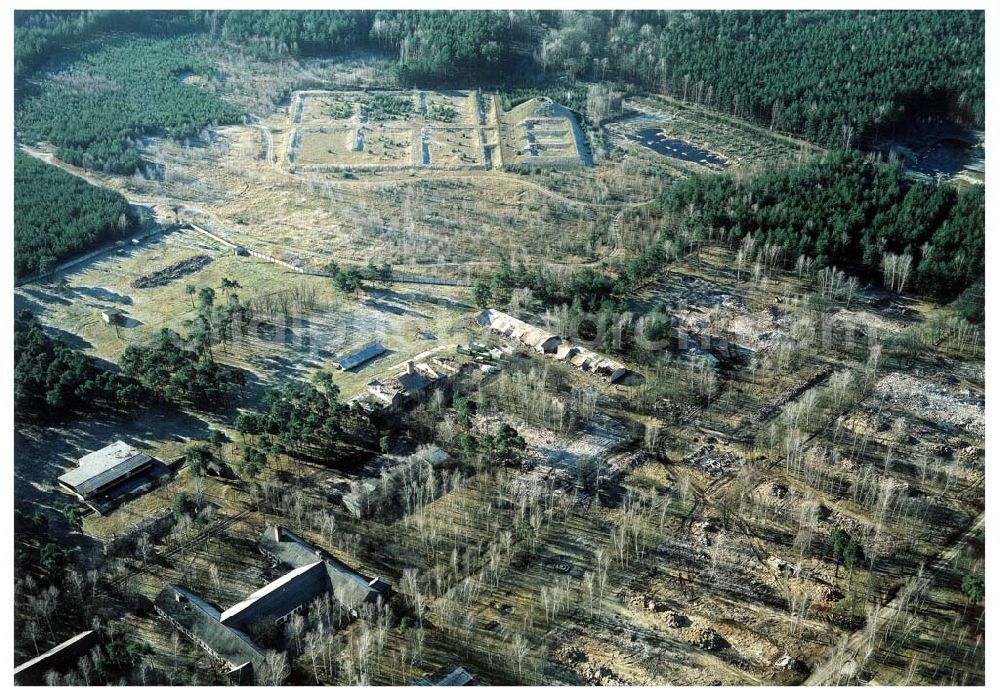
(454,146)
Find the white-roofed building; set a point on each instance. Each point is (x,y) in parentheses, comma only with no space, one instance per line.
(102,470)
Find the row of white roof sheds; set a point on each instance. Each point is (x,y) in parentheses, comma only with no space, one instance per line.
(544,342)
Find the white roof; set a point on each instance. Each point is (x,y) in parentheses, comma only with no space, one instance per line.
(50,652)
(109,456)
(104,465)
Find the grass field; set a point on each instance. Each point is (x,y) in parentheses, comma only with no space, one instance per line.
(321,109)
(453,146)
(452,107)
(373,147)
(275,354)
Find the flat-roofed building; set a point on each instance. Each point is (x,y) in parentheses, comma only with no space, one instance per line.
(108,473)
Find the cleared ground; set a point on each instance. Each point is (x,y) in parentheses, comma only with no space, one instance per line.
(542,133)
(741,146)
(387,130)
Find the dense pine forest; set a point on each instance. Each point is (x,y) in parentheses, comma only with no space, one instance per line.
(57,215)
(97,108)
(848,211)
(48,35)
(52,379)
(172,373)
(837,78)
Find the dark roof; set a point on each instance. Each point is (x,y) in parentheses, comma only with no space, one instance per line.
(202,621)
(104,466)
(459,677)
(61,658)
(349,587)
(288,549)
(414,382)
(283,596)
(349,361)
(617,374)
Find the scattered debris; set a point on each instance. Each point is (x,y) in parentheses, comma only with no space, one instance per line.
(930,401)
(787,662)
(714,462)
(708,639)
(173,272)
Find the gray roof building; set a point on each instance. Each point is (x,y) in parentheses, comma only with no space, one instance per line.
(459,677)
(349,587)
(61,659)
(202,623)
(99,471)
(409,385)
(359,357)
(413,382)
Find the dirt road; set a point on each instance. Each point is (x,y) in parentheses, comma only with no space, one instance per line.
(188,207)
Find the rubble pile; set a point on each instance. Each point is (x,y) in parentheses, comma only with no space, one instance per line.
(173,272)
(930,401)
(674,412)
(708,639)
(675,620)
(600,675)
(713,462)
(590,670)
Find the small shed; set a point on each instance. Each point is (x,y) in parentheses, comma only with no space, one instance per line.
(111,317)
(360,356)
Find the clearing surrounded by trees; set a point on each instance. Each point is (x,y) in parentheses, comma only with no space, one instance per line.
(670,372)
(386,130)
